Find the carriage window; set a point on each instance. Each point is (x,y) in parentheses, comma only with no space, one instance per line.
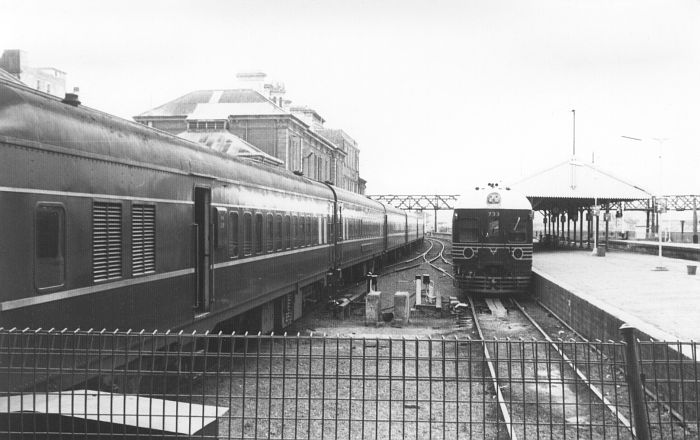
(278,233)
(467,230)
(518,232)
(270,233)
(50,250)
(307,221)
(300,232)
(258,233)
(316,225)
(288,231)
(233,234)
(295,231)
(247,234)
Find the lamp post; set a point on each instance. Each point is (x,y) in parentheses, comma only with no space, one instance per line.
(660,265)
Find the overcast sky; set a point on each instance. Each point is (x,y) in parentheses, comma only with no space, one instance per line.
(440,95)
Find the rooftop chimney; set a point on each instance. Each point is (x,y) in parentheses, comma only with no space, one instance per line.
(71,99)
(254,80)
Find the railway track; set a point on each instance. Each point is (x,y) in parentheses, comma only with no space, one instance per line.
(539,364)
(683,426)
(582,400)
(440,255)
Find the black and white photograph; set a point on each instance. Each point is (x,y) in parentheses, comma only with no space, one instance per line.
(328,219)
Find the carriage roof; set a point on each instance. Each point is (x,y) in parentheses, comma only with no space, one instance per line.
(492,197)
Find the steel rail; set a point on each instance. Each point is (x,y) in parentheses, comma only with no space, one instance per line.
(613,408)
(492,370)
(431,261)
(442,252)
(412,259)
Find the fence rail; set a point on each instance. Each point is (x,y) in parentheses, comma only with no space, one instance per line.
(164,385)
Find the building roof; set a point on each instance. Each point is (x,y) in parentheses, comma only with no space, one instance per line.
(187,104)
(222,111)
(338,137)
(306,110)
(573,183)
(8,76)
(228,143)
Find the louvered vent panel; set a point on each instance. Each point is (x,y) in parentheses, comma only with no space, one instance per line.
(143,239)
(106,241)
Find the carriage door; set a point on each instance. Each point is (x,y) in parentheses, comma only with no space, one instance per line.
(202,230)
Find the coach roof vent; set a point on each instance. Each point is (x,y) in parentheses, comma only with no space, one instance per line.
(71,99)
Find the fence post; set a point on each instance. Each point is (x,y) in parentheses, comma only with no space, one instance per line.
(634,381)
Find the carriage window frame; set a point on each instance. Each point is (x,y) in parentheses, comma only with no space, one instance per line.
(270,223)
(279,241)
(258,235)
(247,234)
(54,256)
(287,233)
(233,235)
(302,231)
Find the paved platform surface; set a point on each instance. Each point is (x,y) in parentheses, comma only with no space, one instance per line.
(665,305)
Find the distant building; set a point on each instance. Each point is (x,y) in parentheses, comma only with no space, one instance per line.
(348,167)
(261,116)
(46,79)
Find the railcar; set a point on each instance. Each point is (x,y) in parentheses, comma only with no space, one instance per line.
(492,241)
(105,223)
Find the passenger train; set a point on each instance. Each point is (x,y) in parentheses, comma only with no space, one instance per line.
(106,223)
(492,241)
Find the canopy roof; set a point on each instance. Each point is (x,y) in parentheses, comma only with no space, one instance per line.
(573,184)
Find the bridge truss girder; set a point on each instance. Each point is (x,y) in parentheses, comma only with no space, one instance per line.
(415,202)
(672,202)
(422,202)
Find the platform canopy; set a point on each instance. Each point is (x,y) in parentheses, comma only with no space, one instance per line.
(573,184)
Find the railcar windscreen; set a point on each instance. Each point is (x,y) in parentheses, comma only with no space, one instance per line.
(518,232)
(494,227)
(467,230)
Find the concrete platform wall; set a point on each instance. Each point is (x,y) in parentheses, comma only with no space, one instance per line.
(584,317)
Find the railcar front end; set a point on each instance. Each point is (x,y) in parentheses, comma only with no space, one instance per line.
(492,243)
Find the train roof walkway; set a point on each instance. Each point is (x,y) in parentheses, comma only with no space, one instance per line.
(662,304)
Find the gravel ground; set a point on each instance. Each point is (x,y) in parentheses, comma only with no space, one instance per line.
(417,381)
(345,379)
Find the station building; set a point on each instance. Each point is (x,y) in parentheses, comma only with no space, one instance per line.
(15,63)
(261,117)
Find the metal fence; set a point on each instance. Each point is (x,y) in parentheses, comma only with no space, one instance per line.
(163,385)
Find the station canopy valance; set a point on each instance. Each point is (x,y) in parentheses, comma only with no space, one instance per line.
(573,184)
